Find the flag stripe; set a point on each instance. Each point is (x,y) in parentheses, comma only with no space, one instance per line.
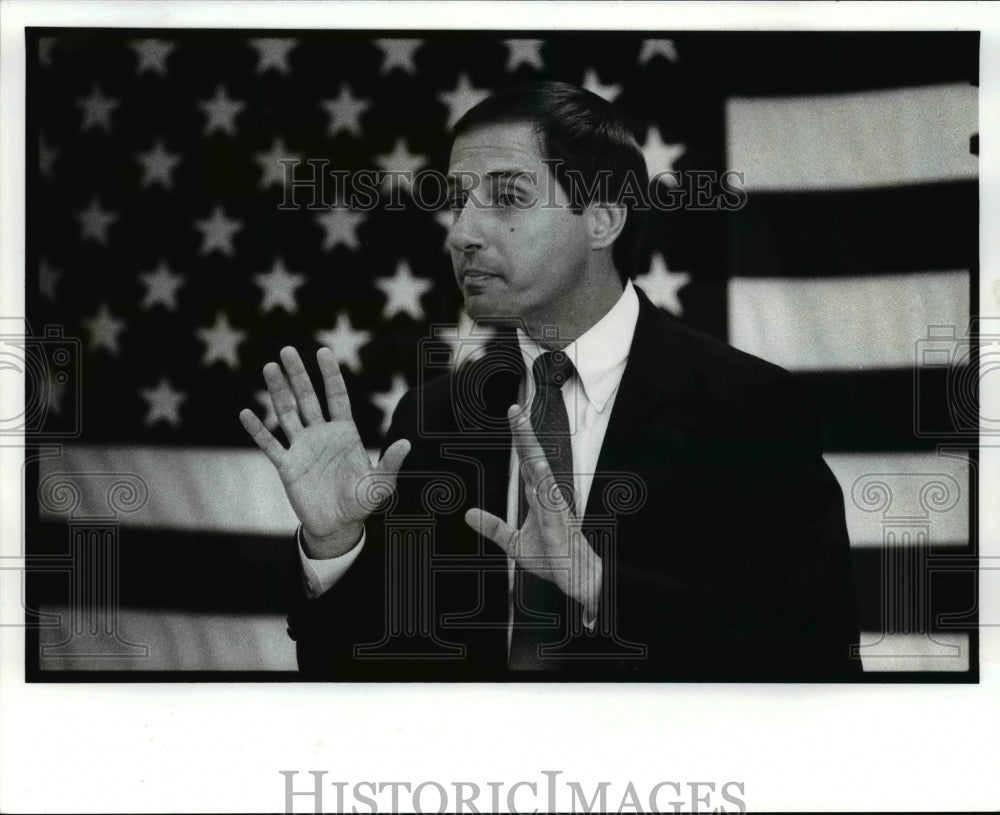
(874,139)
(924,227)
(822,324)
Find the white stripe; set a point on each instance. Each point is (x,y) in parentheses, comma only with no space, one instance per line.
(845,323)
(854,141)
(888,496)
(236,491)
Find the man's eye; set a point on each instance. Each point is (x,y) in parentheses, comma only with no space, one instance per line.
(457,201)
(507,199)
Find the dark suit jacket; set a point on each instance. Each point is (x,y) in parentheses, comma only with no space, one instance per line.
(721,530)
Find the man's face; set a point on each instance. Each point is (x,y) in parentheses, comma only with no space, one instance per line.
(517,248)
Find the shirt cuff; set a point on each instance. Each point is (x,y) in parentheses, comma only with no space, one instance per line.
(321,575)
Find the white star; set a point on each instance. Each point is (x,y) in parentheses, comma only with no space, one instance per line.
(344,112)
(592,83)
(660,157)
(271,169)
(403,291)
(398,54)
(279,287)
(658,48)
(341,225)
(46,157)
(462,98)
(221,112)
(157,166)
(94,222)
(45,45)
(445,218)
(164,403)
(386,401)
(152,55)
(104,330)
(217,232)
(221,342)
(97,109)
(270,419)
(48,277)
(345,342)
(161,287)
(467,339)
(524,51)
(662,285)
(272,52)
(400,165)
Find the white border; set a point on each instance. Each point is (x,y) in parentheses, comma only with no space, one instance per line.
(118,748)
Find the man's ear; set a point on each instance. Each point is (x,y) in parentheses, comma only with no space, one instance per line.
(606,222)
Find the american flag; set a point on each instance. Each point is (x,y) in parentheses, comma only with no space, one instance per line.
(161,241)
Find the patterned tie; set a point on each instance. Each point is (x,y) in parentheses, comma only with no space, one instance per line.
(538,602)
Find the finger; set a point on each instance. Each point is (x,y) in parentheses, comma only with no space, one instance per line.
(285,406)
(262,436)
(489,525)
(302,386)
(388,466)
(534,464)
(337,400)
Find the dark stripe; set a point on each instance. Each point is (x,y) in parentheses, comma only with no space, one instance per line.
(220,573)
(900,410)
(923,227)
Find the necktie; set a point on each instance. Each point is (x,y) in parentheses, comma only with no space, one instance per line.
(540,608)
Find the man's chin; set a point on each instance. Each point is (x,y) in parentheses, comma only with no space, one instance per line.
(488,314)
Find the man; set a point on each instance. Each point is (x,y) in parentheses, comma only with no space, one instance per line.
(603,494)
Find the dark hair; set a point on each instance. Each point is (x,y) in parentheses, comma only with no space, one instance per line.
(594,154)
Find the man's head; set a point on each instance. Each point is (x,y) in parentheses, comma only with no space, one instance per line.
(549,183)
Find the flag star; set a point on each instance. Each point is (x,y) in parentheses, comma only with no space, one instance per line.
(217,232)
(341,225)
(47,155)
(270,419)
(272,52)
(48,277)
(445,219)
(161,287)
(271,169)
(279,287)
(403,292)
(152,55)
(400,166)
(386,401)
(104,330)
(660,157)
(345,112)
(592,83)
(97,109)
(45,46)
(157,166)
(398,54)
(221,342)
(467,339)
(221,112)
(164,403)
(662,285)
(345,342)
(658,48)
(524,51)
(461,98)
(95,221)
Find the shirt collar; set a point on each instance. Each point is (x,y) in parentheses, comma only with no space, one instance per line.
(600,353)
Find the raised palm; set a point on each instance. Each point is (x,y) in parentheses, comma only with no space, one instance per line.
(325,469)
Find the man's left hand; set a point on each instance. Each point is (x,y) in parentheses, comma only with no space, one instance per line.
(550,543)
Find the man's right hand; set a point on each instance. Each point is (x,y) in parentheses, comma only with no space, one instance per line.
(325,461)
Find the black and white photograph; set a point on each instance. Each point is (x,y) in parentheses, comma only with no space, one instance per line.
(512,361)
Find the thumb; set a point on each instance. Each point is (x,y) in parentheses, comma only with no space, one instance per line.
(501,533)
(388,466)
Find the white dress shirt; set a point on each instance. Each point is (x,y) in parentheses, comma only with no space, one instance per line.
(599,356)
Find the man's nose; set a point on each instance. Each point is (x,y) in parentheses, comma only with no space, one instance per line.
(465,234)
